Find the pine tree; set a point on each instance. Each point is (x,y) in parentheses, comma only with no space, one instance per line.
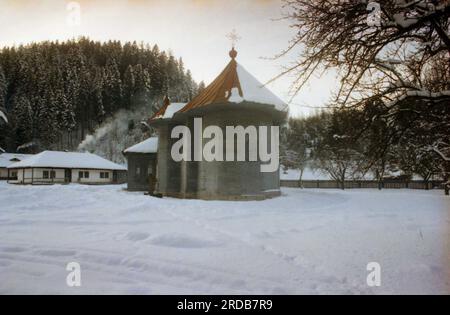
(142,87)
(201,86)
(190,86)
(65,118)
(97,97)
(129,85)
(47,131)
(23,120)
(112,86)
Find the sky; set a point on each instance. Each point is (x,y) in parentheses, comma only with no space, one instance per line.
(192,29)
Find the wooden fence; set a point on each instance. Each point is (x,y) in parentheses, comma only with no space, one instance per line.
(350,184)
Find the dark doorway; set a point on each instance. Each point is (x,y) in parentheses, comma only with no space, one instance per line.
(114,176)
(68,175)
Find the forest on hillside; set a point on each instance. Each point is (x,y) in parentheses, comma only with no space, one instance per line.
(55,94)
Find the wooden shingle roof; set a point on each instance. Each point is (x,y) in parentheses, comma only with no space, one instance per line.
(220,89)
(233,85)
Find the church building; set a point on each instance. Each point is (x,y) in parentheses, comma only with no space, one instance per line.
(234,98)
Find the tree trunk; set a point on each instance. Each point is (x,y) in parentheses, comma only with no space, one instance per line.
(380,180)
(300,180)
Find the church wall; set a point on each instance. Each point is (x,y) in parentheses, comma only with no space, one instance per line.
(169,177)
(189,170)
(228,180)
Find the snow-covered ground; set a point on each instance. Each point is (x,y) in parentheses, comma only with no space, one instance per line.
(306,241)
(308,174)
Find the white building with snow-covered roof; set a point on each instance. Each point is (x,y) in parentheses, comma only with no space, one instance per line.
(52,167)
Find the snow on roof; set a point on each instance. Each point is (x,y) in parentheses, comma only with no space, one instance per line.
(170,111)
(7,159)
(55,159)
(148,146)
(234,85)
(255,91)
(167,110)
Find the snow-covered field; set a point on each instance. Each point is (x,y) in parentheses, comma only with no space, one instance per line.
(307,241)
(308,174)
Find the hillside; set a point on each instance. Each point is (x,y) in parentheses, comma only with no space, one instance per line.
(56,94)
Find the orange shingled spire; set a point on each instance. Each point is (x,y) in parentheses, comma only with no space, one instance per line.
(219,91)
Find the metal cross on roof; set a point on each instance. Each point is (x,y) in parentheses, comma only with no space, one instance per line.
(233,37)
